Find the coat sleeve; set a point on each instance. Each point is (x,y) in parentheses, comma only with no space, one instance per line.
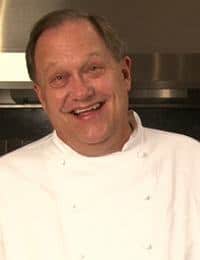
(195,252)
(2,247)
(2,250)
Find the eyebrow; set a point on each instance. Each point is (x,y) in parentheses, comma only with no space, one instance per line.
(91,55)
(52,63)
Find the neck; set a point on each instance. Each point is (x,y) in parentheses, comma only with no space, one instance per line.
(107,147)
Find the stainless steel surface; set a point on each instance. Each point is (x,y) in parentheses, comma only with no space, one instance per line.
(20,106)
(18,17)
(159,93)
(15,85)
(18,96)
(5,97)
(166,79)
(161,67)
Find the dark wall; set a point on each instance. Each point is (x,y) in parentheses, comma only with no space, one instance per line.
(180,120)
(150,26)
(22,126)
(147,26)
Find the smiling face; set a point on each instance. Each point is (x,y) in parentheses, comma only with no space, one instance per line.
(83,89)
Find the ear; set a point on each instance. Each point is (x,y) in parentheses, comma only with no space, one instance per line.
(126,71)
(40,94)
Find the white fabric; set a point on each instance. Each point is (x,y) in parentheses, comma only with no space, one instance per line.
(142,203)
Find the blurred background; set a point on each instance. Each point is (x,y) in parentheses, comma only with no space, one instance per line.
(163,39)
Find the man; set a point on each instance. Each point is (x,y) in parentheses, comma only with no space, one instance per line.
(101,186)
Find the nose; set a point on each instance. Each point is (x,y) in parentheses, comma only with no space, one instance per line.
(81,89)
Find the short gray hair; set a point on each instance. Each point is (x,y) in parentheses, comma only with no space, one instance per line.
(53,19)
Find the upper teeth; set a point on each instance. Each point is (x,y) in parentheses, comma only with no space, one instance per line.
(95,106)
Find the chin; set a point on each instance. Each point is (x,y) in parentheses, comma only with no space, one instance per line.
(94,138)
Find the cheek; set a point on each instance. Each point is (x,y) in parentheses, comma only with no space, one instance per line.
(54,97)
(106,85)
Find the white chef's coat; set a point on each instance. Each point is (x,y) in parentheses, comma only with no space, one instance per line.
(141,203)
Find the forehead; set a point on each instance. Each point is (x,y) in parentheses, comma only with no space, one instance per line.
(70,34)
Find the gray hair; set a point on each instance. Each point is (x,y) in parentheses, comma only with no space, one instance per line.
(56,18)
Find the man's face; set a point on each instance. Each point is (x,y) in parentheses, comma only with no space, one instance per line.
(83,89)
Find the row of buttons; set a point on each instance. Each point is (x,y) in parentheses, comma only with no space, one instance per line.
(140,154)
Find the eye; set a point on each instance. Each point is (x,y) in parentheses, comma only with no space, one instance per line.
(93,67)
(59,80)
(59,77)
(95,70)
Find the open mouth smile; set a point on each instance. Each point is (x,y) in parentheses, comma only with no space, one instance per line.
(86,110)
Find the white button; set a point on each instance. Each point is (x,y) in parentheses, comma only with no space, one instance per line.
(63,162)
(148,197)
(149,247)
(75,208)
(141,154)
